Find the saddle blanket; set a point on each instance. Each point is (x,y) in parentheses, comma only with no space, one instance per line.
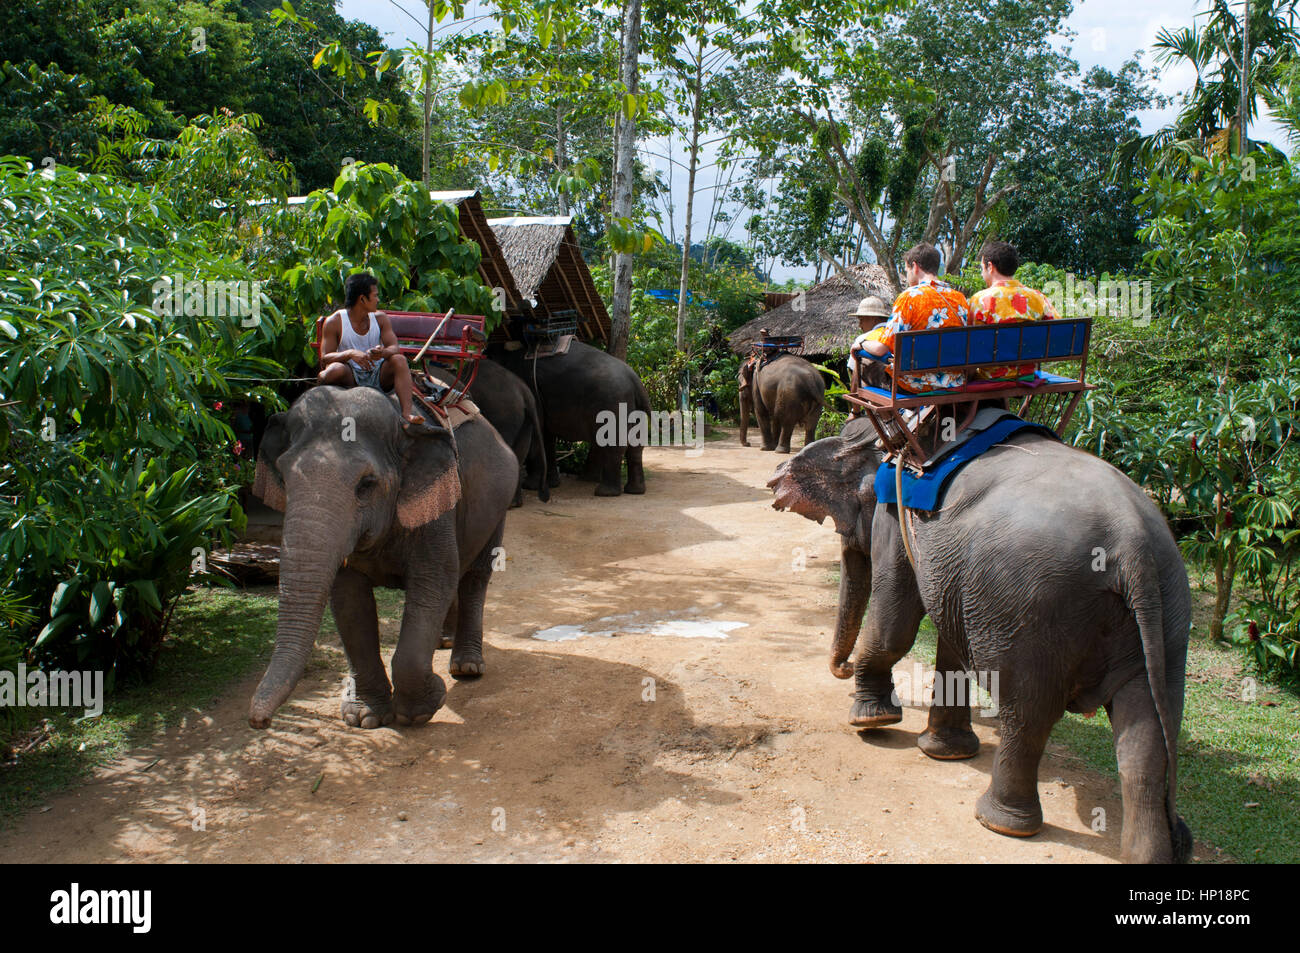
(990,427)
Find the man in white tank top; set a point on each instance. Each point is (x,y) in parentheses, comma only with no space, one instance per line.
(359,348)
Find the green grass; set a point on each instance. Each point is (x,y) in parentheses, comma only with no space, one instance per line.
(217,637)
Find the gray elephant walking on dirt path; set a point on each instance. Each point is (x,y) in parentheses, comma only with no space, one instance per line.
(784,394)
(369,501)
(572,390)
(1044,565)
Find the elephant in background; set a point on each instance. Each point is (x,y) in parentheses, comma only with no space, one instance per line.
(508,405)
(784,393)
(371,501)
(572,390)
(1046,566)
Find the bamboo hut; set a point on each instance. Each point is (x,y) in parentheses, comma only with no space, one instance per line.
(824,314)
(549,271)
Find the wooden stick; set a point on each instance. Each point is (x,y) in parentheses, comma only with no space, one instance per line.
(436,330)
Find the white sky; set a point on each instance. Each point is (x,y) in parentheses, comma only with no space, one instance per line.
(1107,32)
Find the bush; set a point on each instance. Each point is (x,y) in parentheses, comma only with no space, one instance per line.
(110,400)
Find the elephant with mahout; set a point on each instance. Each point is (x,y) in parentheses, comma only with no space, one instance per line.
(370,500)
(508,405)
(1044,566)
(784,393)
(572,390)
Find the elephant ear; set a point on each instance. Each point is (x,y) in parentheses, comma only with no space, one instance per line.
(824,480)
(745,377)
(430,477)
(268,485)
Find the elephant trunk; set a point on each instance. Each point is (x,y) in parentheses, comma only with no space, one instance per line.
(312,550)
(855,591)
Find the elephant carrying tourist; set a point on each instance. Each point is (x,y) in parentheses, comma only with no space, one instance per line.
(784,392)
(1043,565)
(370,500)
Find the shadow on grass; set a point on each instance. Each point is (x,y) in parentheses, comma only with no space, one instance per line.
(216,637)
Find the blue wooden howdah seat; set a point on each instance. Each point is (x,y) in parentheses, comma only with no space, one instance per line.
(1048,398)
(458,341)
(769,346)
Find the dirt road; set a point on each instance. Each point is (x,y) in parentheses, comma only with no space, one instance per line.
(677,707)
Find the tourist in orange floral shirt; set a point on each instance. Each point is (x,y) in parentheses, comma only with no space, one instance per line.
(927,303)
(1006,299)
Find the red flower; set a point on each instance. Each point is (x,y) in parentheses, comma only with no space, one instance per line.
(1254,632)
(239,448)
(217,405)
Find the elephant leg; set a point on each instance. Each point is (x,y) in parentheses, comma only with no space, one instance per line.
(448,637)
(367,700)
(418,692)
(467,653)
(948,735)
(783,427)
(1146,837)
(609,461)
(552,463)
(635,471)
(810,429)
(745,406)
(1010,805)
(894,613)
(766,426)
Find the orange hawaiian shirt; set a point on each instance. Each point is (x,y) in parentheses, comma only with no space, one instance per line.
(931,303)
(1009,300)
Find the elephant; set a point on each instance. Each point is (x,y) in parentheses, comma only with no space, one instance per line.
(785,392)
(1045,566)
(508,405)
(370,500)
(572,390)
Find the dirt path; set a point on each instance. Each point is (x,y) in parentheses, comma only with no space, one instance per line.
(729,744)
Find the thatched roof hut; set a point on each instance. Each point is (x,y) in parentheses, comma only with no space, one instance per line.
(492,267)
(548,268)
(824,319)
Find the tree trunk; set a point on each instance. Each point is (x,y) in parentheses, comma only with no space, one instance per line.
(561,157)
(624,161)
(428,100)
(690,193)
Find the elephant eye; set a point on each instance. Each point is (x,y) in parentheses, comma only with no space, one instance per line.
(366,486)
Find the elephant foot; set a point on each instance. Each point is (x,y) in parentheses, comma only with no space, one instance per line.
(467,664)
(744,443)
(1003,819)
(553,479)
(785,449)
(949,745)
(637,489)
(765,447)
(605,489)
(415,708)
(365,710)
(872,713)
(518,500)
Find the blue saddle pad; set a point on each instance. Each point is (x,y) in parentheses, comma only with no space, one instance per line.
(925,492)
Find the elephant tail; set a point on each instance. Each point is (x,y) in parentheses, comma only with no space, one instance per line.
(537,452)
(1141,589)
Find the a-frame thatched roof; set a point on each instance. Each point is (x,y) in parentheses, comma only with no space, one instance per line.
(544,256)
(474,226)
(825,319)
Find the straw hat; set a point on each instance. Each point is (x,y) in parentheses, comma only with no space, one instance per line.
(871,307)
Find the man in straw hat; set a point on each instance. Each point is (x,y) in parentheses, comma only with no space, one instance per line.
(872,314)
